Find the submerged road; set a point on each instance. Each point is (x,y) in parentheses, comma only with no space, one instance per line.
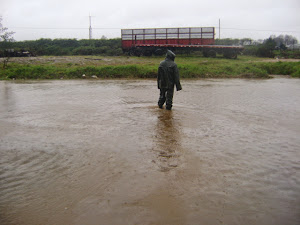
(101,152)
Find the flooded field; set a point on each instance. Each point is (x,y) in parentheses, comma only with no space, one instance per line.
(101,152)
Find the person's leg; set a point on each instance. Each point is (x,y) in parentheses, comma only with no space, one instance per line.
(169,98)
(162,98)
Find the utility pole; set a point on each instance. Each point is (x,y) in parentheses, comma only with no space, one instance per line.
(90,29)
(219,28)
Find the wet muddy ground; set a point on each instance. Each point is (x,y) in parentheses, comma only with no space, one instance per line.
(102,152)
(106,61)
(84,60)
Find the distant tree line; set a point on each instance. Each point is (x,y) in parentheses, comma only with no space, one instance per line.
(286,40)
(271,47)
(60,47)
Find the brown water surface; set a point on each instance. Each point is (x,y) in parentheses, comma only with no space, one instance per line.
(102,152)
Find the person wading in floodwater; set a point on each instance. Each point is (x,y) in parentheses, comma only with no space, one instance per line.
(168,77)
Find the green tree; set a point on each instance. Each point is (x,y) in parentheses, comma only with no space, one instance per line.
(227,41)
(266,49)
(285,39)
(5,39)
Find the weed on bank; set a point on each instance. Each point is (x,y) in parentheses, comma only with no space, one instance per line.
(189,67)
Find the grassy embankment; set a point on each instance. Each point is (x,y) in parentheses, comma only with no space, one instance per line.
(73,67)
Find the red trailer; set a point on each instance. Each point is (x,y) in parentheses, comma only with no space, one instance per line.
(158,40)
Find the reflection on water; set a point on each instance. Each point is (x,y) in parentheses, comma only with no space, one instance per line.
(167,140)
(102,152)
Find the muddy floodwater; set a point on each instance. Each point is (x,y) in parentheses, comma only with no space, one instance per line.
(90,152)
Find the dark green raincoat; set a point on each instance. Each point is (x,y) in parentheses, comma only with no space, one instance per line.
(168,77)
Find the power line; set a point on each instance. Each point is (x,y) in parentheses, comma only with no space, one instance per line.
(62,28)
(219,28)
(118,28)
(260,30)
(48,28)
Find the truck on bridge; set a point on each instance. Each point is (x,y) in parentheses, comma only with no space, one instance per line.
(157,40)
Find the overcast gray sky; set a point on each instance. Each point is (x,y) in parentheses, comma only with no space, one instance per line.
(257,19)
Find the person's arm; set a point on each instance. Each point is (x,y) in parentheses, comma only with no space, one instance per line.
(158,77)
(177,79)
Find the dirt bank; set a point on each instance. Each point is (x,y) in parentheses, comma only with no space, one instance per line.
(73,67)
(101,60)
(81,60)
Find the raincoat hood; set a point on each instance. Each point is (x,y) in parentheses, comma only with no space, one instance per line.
(170,55)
